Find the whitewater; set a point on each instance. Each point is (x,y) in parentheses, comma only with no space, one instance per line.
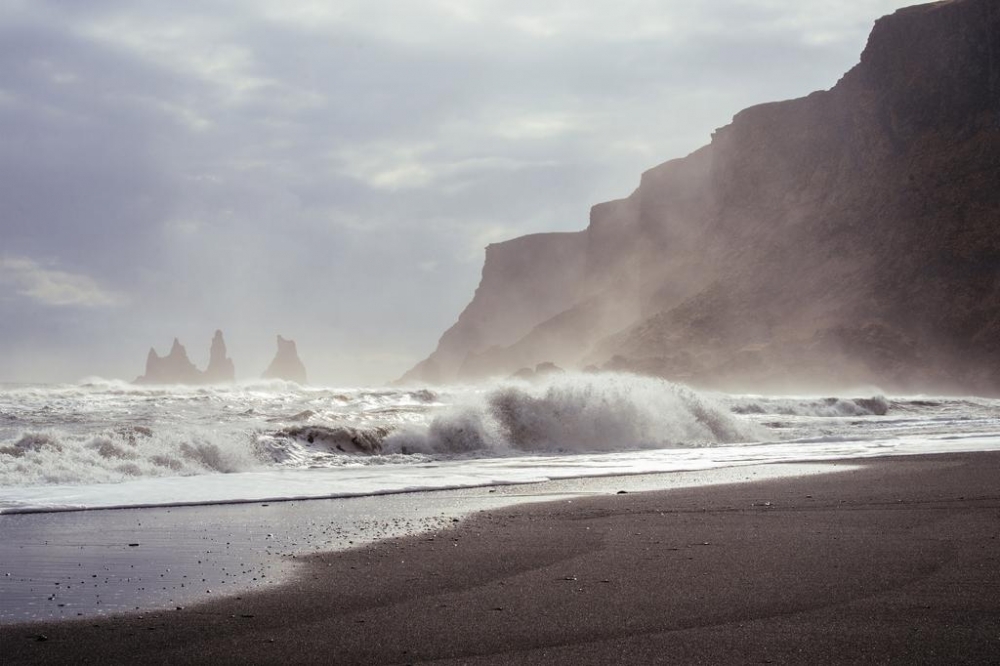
(105,444)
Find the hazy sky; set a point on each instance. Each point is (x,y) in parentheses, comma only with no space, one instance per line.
(332,170)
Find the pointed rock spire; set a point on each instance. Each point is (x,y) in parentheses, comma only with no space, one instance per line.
(220,367)
(174,368)
(286,364)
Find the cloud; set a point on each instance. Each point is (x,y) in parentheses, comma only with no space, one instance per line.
(397,167)
(56,288)
(332,171)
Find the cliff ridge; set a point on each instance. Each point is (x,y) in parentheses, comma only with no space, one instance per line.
(848,237)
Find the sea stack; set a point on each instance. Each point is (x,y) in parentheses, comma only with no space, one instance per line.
(220,367)
(174,368)
(286,364)
(177,368)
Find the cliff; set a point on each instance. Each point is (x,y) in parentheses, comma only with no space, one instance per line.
(525,281)
(286,363)
(850,236)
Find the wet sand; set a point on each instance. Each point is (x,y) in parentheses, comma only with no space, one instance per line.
(81,564)
(897,561)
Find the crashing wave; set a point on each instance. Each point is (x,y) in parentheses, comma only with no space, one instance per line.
(822,407)
(53,456)
(576,413)
(338,439)
(239,428)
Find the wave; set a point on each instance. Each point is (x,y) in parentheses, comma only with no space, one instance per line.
(102,384)
(107,437)
(822,407)
(575,413)
(336,439)
(43,406)
(108,432)
(565,414)
(51,456)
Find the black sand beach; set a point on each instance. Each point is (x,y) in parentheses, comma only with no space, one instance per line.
(895,562)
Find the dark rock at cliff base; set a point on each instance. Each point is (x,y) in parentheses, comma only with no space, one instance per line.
(540,371)
(174,368)
(286,364)
(848,237)
(220,367)
(548,368)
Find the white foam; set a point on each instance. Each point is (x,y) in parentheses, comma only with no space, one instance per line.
(348,481)
(106,444)
(821,407)
(52,456)
(577,413)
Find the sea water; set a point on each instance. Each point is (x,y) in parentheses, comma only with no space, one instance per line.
(220,460)
(106,444)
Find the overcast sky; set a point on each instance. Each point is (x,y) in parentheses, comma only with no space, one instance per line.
(332,170)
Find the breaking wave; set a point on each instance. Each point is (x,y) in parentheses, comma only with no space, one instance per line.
(108,433)
(576,413)
(54,457)
(111,432)
(326,439)
(822,407)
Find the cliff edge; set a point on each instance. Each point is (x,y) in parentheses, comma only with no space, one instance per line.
(848,237)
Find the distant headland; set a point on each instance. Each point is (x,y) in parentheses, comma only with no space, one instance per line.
(177,368)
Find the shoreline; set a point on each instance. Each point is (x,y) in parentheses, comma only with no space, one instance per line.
(62,565)
(892,559)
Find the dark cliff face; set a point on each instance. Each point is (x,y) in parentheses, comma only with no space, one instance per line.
(851,236)
(525,281)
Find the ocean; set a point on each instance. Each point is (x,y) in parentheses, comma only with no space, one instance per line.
(105,444)
(207,478)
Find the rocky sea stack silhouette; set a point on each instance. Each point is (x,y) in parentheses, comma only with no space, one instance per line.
(220,367)
(174,368)
(848,237)
(177,368)
(286,364)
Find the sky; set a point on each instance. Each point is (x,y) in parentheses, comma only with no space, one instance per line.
(332,171)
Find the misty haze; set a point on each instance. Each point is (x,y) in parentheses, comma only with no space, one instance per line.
(500,333)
